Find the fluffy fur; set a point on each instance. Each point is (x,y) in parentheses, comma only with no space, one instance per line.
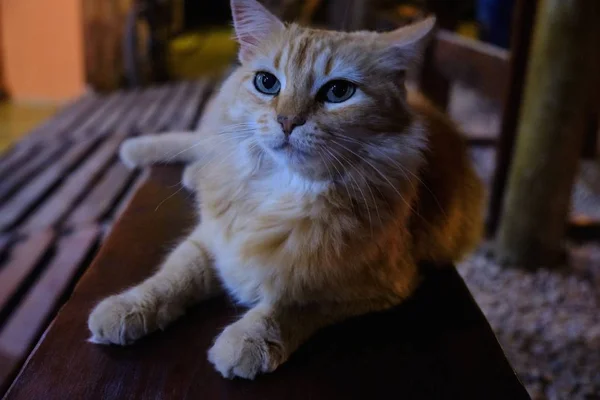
(309,228)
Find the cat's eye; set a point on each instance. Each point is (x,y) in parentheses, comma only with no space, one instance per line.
(267,83)
(337,91)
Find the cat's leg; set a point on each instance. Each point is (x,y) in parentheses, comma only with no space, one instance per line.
(187,276)
(267,335)
(167,148)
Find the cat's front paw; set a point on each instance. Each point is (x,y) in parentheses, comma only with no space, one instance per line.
(245,351)
(134,152)
(117,320)
(124,318)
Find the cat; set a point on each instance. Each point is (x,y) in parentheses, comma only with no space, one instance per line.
(322,184)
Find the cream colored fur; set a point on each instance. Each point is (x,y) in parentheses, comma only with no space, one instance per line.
(311,228)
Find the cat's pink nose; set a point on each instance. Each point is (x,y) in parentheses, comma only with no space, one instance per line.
(289,123)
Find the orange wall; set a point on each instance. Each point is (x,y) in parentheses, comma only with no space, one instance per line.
(42,42)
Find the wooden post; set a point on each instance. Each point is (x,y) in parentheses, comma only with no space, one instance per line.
(550,134)
(524,16)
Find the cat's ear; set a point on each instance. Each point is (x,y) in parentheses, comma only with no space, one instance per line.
(405,45)
(253,24)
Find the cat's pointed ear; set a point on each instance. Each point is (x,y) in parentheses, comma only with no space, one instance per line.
(253,24)
(406,45)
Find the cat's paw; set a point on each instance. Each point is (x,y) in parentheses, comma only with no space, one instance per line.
(134,152)
(244,351)
(118,320)
(122,319)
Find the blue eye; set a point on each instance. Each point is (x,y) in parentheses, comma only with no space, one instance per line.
(267,83)
(337,91)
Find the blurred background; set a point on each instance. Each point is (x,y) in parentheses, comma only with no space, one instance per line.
(520,77)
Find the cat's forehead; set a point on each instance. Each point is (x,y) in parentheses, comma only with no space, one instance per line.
(310,54)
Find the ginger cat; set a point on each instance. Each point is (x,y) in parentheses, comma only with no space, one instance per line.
(322,184)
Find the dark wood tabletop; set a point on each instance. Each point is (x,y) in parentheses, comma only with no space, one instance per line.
(437,345)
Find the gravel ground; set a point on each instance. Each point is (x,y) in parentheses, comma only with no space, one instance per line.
(547,322)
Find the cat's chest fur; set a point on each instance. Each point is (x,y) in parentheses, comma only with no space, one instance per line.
(256,228)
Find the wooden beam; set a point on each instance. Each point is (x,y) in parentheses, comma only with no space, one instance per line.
(523,24)
(473,63)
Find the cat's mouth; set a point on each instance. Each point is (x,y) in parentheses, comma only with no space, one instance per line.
(288,148)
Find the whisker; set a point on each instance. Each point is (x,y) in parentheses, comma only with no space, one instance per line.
(366,184)
(403,169)
(350,198)
(331,178)
(406,170)
(169,197)
(360,191)
(223,159)
(380,173)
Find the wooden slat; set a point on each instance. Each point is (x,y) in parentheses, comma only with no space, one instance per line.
(476,64)
(153,124)
(149,97)
(58,205)
(128,120)
(62,121)
(7,153)
(63,126)
(103,197)
(23,259)
(65,112)
(21,203)
(4,242)
(10,183)
(109,123)
(175,101)
(102,112)
(15,159)
(28,321)
(9,156)
(6,366)
(157,102)
(184,118)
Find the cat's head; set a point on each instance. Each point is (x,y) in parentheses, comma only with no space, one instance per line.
(318,101)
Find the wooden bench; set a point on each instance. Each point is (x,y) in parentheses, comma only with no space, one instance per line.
(437,345)
(60,190)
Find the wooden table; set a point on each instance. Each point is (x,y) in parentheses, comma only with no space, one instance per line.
(61,189)
(437,345)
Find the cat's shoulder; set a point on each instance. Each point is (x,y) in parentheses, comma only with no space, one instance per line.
(445,141)
(427,111)
(438,123)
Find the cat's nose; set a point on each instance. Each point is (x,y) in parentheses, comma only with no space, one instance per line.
(289,123)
